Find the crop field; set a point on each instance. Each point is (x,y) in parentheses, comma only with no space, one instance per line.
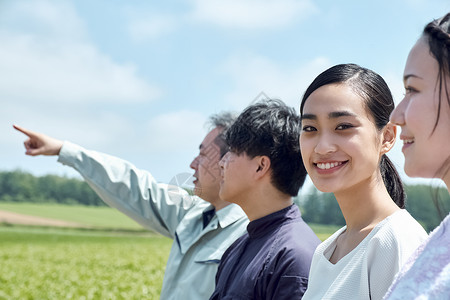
(92,216)
(115,259)
(40,263)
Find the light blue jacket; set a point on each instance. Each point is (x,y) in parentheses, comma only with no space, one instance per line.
(196,251)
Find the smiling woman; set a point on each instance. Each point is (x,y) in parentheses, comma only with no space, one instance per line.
(424,116)
(341,124)
(344,140)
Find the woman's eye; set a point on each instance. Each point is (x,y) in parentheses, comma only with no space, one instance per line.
(344,126)
(308,128)
(409,90)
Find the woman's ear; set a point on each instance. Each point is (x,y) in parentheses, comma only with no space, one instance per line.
(389,135)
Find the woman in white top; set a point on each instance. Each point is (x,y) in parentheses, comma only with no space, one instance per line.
(344,140)
(424,116)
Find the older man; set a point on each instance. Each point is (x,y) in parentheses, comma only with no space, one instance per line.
(202,226)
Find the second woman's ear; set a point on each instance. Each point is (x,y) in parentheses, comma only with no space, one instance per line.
(389,135)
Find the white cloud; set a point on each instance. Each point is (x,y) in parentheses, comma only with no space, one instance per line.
(55,80)
(151,27)
(255,74)
(252,14)
(90,128)
(45,56)
(50,19)
(176,132)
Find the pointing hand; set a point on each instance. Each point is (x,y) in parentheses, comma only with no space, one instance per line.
(39,144)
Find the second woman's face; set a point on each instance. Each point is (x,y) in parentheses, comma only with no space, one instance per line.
(340,144)
(425,148)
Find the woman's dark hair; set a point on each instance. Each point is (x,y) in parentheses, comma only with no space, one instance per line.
(437,34)
(377,97)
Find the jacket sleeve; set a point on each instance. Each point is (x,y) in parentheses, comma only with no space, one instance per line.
(134,192)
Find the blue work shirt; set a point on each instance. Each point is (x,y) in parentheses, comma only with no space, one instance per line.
(271,261)
(168,210)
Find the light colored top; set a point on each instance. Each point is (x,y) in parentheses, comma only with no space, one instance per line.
(196,251)
(369,269)
(426,274)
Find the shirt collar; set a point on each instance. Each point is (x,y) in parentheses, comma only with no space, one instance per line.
(268,223)
(228,215)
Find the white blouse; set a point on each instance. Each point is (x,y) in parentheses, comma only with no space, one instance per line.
(369,269)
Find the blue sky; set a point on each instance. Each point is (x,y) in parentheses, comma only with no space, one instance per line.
(138,79)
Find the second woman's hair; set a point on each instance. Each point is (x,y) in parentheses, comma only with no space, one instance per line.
(437,33)
(377,97)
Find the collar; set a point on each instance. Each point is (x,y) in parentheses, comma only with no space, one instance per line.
(228,215)
(266,224)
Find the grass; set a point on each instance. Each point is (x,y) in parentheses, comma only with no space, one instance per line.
(117,259)
(51,263)
(106,217)
(99,263)
(324,231)
(92,216)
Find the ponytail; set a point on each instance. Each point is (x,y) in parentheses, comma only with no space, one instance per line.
(392,181)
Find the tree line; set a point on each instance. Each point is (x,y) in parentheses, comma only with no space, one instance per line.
(426,203)
(316,207)
(18,186)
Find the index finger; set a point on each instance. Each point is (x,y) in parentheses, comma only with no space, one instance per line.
(24,131)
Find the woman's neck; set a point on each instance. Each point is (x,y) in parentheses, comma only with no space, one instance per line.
(365,205)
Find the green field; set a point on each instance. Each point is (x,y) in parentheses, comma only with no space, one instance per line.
(324,231)
(92,216)
(115,260)
(39,263)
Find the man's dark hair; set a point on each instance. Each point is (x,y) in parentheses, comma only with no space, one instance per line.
(272,129)
(223,122)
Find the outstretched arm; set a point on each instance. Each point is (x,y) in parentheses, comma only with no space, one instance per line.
(118,183)
(40,144)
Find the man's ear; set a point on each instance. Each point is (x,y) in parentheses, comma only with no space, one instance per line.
(263,165)
(389,135)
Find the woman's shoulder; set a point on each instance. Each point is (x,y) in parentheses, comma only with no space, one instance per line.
(399,232)
(401,224)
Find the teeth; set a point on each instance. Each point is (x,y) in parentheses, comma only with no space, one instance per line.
(326,166)
(408,141)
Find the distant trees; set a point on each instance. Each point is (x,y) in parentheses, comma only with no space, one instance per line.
(316,207)
(429,205)
(18,186)
(322,208)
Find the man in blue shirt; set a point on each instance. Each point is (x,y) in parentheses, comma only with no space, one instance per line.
(202,226)
(261,172)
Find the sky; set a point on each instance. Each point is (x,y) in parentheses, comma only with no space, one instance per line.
(138,79)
